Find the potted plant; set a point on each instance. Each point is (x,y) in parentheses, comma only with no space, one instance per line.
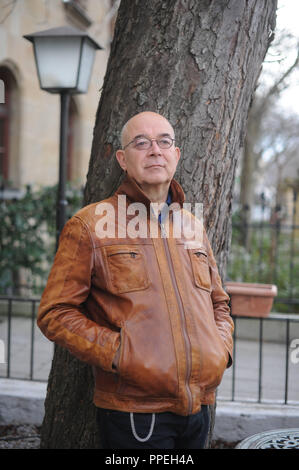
(250,299)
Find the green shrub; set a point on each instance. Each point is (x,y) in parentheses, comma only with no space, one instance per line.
(27,236)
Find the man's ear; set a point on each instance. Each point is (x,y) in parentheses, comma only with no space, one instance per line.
(178,153)
(120,156)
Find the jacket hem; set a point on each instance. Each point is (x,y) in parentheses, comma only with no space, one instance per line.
(138,405)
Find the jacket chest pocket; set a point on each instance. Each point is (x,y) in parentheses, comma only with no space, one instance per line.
(200,268)
(125,268)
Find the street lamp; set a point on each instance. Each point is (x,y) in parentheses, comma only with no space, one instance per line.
(64,58)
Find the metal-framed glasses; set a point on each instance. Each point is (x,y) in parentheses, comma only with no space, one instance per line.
(144,143)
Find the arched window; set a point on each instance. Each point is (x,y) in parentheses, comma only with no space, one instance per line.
(9,122)
(5,117)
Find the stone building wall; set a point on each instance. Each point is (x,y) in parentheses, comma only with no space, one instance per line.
(33,135)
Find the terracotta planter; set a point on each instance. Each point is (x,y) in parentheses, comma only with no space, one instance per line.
(251,300)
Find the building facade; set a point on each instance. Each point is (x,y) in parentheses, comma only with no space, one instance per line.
(29,117)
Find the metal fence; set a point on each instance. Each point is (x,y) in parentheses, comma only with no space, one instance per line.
(266,361)
(265,353)
(27,354)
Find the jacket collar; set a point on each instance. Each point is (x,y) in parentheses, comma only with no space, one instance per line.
(132,190)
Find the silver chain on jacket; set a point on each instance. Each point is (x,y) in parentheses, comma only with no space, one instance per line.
(142,439)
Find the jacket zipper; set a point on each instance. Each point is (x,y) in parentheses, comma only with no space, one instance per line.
(183,320)
(133,254)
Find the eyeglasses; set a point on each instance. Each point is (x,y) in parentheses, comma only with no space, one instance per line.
(143,143)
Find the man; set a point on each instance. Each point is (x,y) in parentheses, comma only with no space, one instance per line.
(147,312)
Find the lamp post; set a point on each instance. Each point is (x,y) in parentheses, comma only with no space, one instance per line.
(64,58)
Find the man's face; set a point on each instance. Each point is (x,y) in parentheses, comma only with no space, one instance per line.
(151,166)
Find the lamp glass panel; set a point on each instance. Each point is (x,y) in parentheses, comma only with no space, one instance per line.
(87,59)
(57,61)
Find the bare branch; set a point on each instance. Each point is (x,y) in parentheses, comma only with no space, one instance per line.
(276,89)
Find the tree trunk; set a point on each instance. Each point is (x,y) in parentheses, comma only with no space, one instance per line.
(196,63)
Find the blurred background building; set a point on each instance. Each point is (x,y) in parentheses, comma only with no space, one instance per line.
(29,117)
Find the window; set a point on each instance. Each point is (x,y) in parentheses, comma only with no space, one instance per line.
(77,11)
(9,131)
(81,3)
(5,117)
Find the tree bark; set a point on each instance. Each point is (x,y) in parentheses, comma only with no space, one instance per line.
(196,63)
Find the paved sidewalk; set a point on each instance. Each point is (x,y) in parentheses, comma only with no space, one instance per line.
(21,352)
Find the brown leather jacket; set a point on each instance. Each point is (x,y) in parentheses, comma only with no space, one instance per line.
(161,303)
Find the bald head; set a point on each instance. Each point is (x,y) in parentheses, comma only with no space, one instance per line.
(139,120)
(152,167)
